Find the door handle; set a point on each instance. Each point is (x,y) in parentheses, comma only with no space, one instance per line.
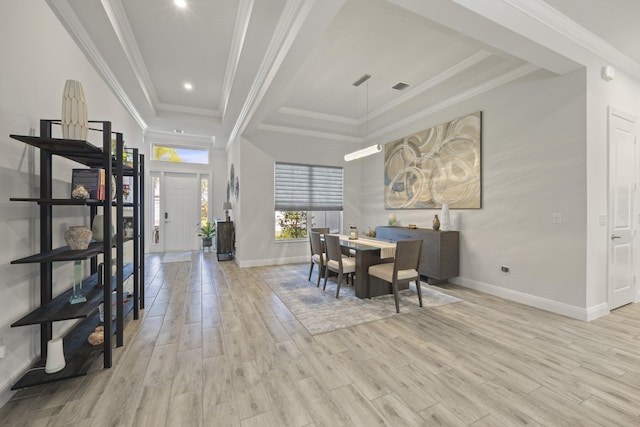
(613,237)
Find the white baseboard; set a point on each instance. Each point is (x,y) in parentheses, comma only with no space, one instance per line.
(580,313)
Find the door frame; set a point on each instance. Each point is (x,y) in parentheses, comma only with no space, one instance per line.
(161,174)
(634,204)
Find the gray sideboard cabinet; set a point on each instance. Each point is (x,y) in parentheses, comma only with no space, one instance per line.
(225,239)
(440,256)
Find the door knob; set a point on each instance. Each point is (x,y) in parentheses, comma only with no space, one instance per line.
(613,237)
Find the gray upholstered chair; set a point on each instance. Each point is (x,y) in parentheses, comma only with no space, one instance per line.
(317,255)
(337,262)
(404,269)
(321,230)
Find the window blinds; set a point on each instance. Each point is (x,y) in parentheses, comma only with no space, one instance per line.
(308,187)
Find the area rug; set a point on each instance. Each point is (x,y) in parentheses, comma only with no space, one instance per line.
(319,311)
(176,257)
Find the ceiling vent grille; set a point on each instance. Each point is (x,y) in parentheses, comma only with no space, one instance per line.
(401,86)
(362,80)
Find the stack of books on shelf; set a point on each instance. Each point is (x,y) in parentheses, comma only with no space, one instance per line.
(93,181)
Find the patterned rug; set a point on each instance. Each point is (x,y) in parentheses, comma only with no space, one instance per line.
(319,311)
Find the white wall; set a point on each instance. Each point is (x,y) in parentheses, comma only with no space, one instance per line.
(533,164)
(38,56)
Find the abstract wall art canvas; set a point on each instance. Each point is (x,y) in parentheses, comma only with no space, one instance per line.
(435,166)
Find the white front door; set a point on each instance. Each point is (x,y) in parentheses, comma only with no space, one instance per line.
(622,154)
(182,211)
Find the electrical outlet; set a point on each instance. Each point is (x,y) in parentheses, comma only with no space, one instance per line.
(557,218)
(504,269)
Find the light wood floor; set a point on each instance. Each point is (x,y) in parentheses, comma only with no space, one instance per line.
(216,347)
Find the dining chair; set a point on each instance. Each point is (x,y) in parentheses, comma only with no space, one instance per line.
(317,255)
(322,231)
(404,269)
(337,262)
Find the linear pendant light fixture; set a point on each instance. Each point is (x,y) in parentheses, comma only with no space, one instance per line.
(374,148)
(363,153)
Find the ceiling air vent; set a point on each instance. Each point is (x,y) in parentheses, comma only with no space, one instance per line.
(401,86)
(362,80)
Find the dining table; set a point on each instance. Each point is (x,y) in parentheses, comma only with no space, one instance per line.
(368,252)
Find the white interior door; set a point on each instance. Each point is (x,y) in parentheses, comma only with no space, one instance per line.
(622,152)
(181,213)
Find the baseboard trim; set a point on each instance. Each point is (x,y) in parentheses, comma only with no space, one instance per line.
(580,313)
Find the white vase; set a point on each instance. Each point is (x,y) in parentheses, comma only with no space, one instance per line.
(97,228)
(74,120)
(444,217)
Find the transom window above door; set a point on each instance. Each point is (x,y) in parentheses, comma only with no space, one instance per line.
(179,154)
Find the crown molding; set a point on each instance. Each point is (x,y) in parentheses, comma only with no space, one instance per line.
(122,28)
(319,116)
(183,138)
(243,16)
(463,96)
(571,30)
(431,83)
(291,20)
(188,110)
(70,21)
(311,133)
(469,93)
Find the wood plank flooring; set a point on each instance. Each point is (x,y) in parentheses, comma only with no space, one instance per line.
(216,347)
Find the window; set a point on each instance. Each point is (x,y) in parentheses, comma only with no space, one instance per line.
(204,200)
(175,154)
(306,195)
(156,210)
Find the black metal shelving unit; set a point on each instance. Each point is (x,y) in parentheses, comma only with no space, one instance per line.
(79,354)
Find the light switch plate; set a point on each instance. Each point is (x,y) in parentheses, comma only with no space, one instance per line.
(603,219)
(557,217)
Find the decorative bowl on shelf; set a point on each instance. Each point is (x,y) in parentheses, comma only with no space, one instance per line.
(77,237)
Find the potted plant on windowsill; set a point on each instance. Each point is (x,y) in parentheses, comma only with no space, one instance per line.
(207,232)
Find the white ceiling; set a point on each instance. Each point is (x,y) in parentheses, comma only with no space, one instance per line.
(289,65)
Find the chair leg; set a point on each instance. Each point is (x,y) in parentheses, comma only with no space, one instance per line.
(394,285)
(339,280)
(326,274)
(419,290)
(311,270)
(321,269)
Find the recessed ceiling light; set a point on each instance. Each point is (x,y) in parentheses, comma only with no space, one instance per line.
(180,3)
(188,86)
(178,130)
